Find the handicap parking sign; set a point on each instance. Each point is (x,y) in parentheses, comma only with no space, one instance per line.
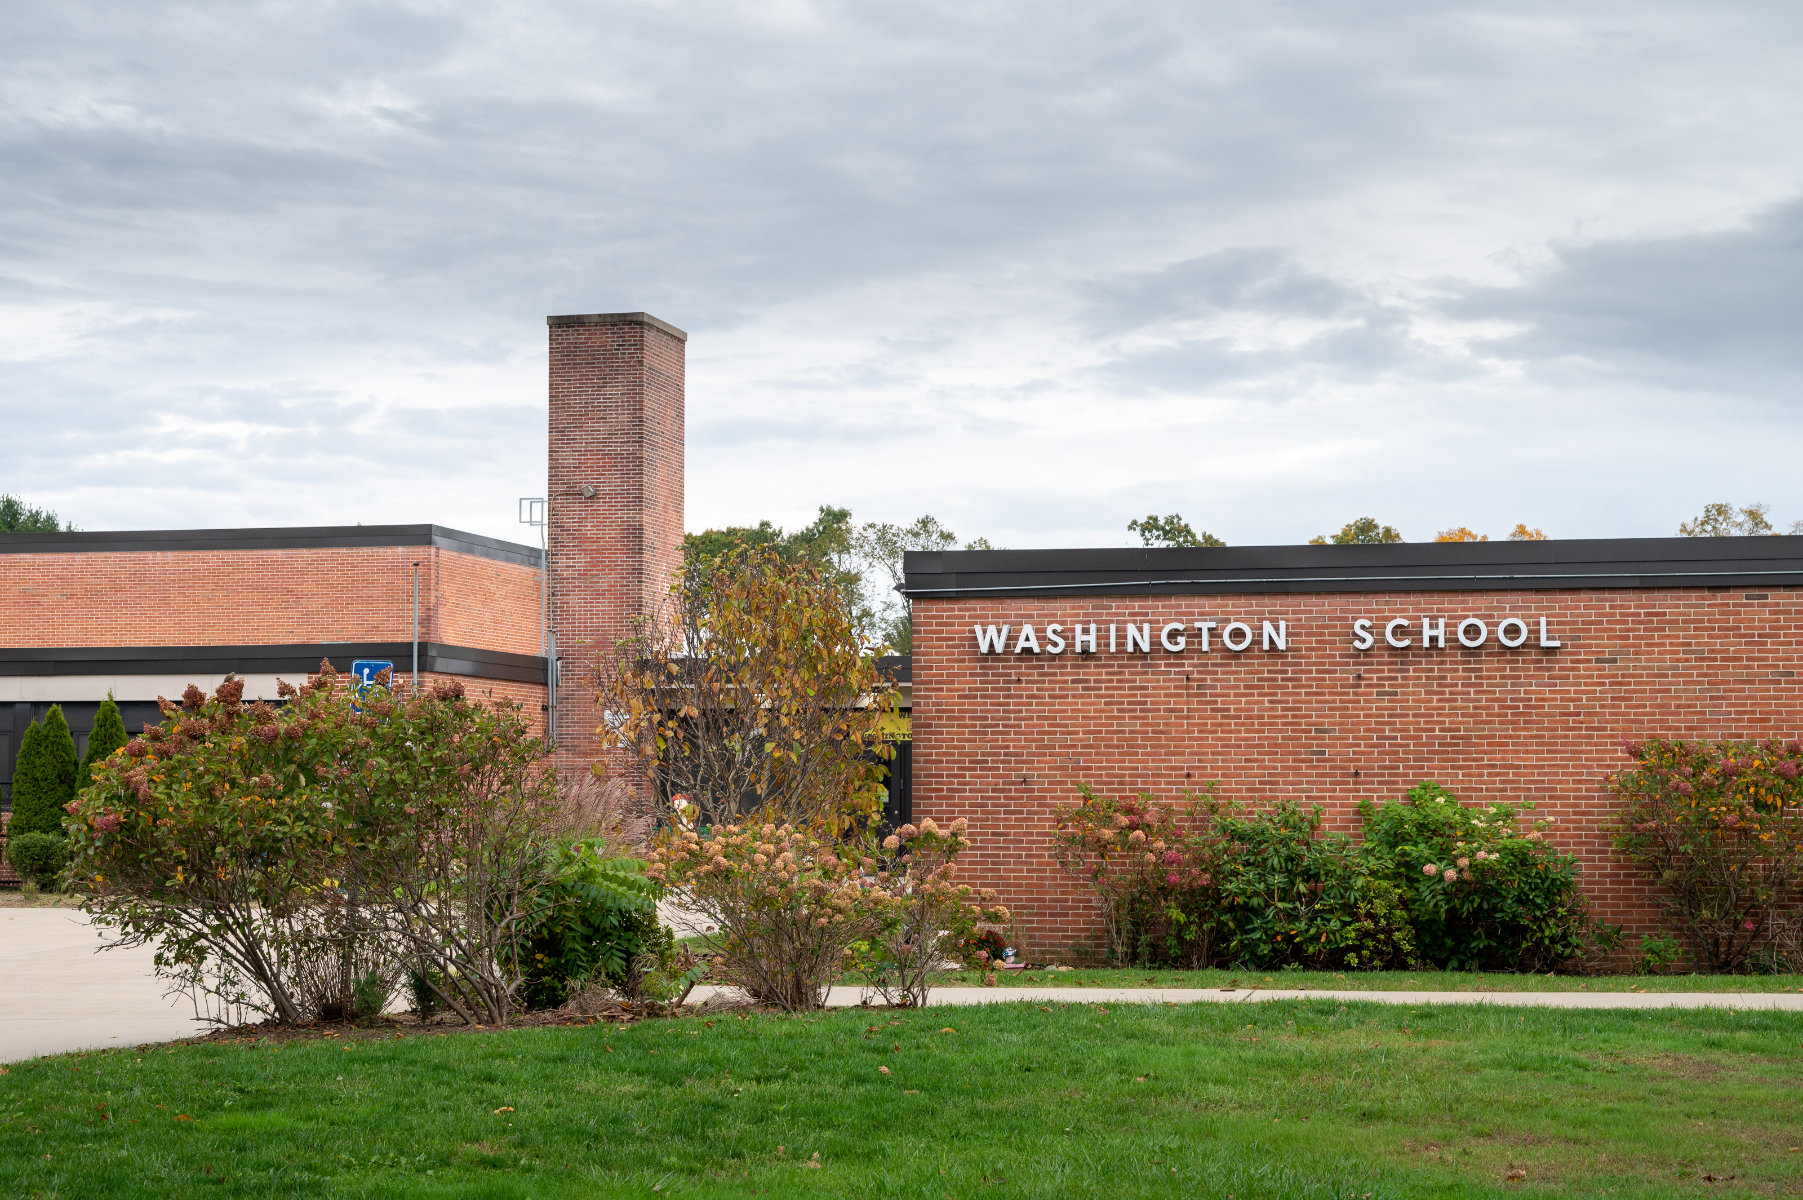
(366,670)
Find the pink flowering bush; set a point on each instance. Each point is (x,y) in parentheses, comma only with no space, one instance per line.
(921,911)
(1719,827)
(786,905)
(1204,882)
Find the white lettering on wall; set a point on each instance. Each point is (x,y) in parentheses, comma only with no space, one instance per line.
(1079,639)
(1277,637)
(1139,636)
(1511,632)
(1054,639)
(991,640)
(1174,645)
(1028,640)
(1245,636)
(1202,628)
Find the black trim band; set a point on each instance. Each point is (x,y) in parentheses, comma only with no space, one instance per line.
(297,660)
(326,537)
(1403,567)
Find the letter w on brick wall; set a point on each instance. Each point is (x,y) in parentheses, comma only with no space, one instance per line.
(991,640)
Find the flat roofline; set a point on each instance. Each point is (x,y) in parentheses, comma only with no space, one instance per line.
(627,318)
(1398,567)
(308,537)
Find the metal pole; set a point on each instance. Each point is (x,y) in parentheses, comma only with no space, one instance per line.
(416,629)
(544,625)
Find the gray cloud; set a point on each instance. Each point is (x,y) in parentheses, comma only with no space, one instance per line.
(1719,311)
(951,258)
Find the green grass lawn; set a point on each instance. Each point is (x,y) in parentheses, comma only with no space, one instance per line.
(1297,1098)
(1376,981)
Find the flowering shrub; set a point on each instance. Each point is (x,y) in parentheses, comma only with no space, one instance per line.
(1481,893)
(276,856)
(1155,896)
(786,906)
(1205,882)
(1719,826)
(920,911)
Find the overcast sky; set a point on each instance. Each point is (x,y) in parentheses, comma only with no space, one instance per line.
(1035,269)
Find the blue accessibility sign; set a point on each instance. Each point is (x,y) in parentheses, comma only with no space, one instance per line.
(366,670)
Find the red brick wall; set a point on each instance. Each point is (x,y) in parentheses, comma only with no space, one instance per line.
(616,425)
(1004,739)
(266,597)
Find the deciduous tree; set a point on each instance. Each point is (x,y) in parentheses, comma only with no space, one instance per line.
(1172,530)
(752,688)
(1365,531)
(16,516)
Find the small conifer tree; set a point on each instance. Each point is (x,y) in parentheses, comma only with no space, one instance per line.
(108,736)
(44,780)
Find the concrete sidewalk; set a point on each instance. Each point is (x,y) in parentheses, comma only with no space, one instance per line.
(851,997)
(57,994)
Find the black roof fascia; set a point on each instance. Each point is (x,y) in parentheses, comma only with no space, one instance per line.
(896,668)
(279,538)
(298,660)
(1398,567)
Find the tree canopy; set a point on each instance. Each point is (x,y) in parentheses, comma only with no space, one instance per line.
(1172,530)
(16,516)
(1722,519)
(1365,531)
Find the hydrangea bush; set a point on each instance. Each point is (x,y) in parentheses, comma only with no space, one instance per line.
(278,856)
(785,905)
(790,908)
(921,912)
(1205,882)
(1482,892)
(1718,825)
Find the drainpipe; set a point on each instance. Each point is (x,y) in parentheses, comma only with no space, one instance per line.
(416,629)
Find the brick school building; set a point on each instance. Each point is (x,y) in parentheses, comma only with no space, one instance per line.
(1507,671)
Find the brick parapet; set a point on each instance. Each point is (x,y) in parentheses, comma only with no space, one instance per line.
(1005,739)
(253,597)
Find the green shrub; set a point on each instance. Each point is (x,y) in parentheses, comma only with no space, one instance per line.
(1205,882)
(108,735)
(596,918)
(1291,895)
(44,777)
(1480,893)
(1718,825)
(38,857)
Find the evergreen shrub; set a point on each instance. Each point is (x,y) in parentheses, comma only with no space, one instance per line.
(44,776)
(107,737)
(38,857)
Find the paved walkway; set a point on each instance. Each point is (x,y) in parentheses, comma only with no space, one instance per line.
(57,994)
(847,997)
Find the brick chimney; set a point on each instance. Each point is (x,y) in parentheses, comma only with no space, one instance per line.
(615,498)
